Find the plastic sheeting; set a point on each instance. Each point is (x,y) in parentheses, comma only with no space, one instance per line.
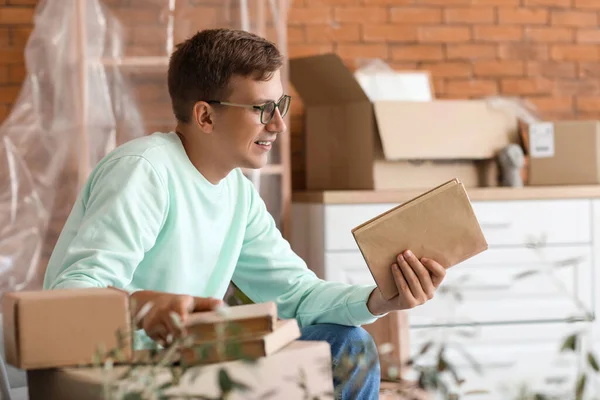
(96,77)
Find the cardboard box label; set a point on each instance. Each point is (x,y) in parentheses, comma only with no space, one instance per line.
(541,139)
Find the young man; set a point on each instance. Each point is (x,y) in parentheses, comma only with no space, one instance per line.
(172,220)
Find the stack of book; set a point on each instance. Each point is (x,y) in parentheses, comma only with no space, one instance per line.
(243,332)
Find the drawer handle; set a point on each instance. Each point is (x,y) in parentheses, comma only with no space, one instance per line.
(495,225)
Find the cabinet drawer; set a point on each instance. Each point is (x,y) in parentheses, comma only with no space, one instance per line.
(347,267)
(340,219)
(508,355)
(515,223)
(500,285)
(508,285)
(523,222)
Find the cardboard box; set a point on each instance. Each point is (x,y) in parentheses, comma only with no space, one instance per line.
(280,373)
(564,153)
(54,328)
(343,128)
(425,174)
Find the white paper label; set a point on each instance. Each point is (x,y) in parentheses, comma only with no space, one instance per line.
(541,140)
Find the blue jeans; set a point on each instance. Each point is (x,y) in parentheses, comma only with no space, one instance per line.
(351,380)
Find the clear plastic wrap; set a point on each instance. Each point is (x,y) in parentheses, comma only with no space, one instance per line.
(522,109)
(96,78)
(381,82)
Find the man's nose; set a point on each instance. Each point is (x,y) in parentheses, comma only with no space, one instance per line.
(277,124)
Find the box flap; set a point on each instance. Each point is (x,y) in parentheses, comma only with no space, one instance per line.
(10,327)
(443,129)
(324,80)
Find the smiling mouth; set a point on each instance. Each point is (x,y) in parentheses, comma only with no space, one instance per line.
(263,143)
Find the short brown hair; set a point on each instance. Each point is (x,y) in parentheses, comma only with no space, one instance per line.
(202,66)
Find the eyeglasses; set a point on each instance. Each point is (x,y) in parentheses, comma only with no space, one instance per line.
(267,110)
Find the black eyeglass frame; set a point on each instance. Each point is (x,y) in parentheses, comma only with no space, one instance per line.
(262,107)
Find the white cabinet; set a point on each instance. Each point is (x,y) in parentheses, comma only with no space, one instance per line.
(515,223)
(520,297)
(507,354)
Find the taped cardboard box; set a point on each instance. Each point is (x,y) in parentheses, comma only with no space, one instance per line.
(281,374)
(343,127)
(564,153)
(54,328)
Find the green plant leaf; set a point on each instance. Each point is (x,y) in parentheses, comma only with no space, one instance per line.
(121,339)
(268,395)
(226,384)
(235,329)
(593,362)
(465,333)
(133,396)
(476,366)
(525,274)
(425,347)
(241,386)
(569,262)
(580,388)
(476,392)
(428,380)
(458,296)
(570,343)
(442,365)
(457,379)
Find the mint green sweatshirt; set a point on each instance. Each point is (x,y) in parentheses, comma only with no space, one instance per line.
(148,220)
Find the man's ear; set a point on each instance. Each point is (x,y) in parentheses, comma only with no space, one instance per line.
(203,115)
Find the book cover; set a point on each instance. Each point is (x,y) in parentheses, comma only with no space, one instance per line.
(439,224)
(248,347)
(235,321)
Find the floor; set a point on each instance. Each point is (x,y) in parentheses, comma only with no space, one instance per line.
(392,390)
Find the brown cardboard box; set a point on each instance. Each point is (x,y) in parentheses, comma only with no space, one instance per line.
(54,328)
(564,153)
(425,174)
(344,128)
(280,372)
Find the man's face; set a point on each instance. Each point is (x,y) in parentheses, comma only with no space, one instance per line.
(243,140)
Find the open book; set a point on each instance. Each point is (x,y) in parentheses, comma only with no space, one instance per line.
(439,224)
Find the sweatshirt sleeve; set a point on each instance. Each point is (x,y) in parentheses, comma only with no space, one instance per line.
(124,209)
(269,270)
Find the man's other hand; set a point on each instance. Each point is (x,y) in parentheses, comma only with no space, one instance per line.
(163,315)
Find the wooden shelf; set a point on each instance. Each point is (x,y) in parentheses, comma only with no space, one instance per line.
(476,194)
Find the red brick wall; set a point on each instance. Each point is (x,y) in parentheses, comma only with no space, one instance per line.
(547,51)
(16,18)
